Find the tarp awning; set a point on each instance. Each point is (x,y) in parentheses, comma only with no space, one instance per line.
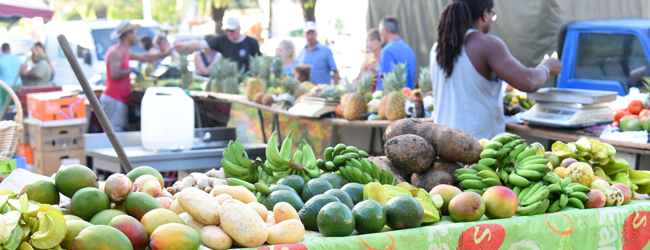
(25,8)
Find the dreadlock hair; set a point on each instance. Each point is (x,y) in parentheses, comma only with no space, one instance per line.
(455,20)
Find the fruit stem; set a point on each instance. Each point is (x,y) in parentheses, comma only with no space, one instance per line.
(296,166)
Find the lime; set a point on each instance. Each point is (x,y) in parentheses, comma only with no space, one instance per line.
(438,201)
(583,144)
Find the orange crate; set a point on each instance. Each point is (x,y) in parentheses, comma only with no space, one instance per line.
(57,108)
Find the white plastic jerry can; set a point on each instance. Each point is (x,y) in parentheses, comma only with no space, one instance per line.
(167,119)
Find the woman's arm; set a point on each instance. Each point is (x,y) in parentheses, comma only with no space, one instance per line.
(201,69)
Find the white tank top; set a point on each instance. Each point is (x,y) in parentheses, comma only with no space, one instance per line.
(466,100)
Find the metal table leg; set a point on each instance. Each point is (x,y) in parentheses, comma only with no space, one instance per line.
(259,113)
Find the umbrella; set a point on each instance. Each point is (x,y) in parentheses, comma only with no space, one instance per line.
(14,9)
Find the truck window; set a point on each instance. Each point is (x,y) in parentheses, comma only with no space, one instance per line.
(103,40)
(614,57)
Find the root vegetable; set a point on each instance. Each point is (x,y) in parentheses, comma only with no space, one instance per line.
(284,211)
(260,209)
(451,144)
(432,178)
(187,182)
(202,181)
(190,221)
(207,189)
(449,167)
(285,232)
(176,207)
(223,197)
(384,163)
(214,237)
(212,173)
(237,192)
(243,224)
(201,206)
(410,153)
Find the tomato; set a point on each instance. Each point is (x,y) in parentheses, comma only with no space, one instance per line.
(635,107)
(618,114)
(614,124)
(630,116)
(338,111)
(407,91)
(644,112)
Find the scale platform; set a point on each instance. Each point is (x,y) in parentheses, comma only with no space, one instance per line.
(314,107)
(570,108)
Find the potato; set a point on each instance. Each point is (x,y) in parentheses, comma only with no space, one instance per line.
(384,163)
(284,211)
(449,167)
(223,197)
(260,209)
(288,231)
(237,192)
(202,206)
(243,224)
(270,224)
(430,179)
(270,217)
(187,218)
(215,238)
(451,144)
(410,153)
(176,207)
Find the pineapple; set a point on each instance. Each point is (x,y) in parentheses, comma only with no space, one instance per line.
(186,75)
(230,85)
(223,69)
(357,102)
(349,89)
(290,85)
(394,97)
(260,70)
(424,81)
(278,64)
(331,92)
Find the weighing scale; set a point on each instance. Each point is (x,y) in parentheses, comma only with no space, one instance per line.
(314,107)
(570,108)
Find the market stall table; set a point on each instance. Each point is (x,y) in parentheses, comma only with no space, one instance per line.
(604,228)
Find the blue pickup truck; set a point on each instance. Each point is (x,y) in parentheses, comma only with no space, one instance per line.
(609,55)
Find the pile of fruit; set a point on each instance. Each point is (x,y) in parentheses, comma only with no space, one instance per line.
(513,103)
(633,118)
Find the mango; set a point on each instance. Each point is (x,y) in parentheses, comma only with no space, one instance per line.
(142,170)
(101,237)
(87,202)
(138,204)
(447,192)
(500,202)
(158,217)
(72,178)
(73,228)
(42,191)
(104,217)
(466,207)
(133,229)
(174,237)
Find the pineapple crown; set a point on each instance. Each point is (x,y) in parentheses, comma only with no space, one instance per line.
(225,68)
(349,87)
(260,66)
(424,80)
(332,92)
(291,85)
(278,64)
(395,80)
(365,82)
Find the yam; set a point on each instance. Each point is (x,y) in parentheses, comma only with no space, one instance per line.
(410,153)
(384,163)
(432,178)
(451,144)
(449,167)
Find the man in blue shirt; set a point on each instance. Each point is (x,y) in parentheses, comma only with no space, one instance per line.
(318,56)
(10,66)
(395,51)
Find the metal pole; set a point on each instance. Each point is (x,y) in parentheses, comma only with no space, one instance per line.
(94,103)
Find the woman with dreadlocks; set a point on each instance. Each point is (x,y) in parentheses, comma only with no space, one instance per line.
(466,65)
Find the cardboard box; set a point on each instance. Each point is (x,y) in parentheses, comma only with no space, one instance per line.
(56,138)
(23,91)
(24,150)
(48,163)
(24,136)
(58,108)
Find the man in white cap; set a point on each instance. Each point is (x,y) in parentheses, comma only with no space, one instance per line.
(318,56)
(116,96)
(233,45)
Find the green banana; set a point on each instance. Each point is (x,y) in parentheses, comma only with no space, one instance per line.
(285,149)
(395,182)
(528,152)
(487,162)
(238,182)
(356,174)
(232,168)
(529,174)
(535,167)
(489,153)
(567,190)
(517,180)
(384,177)
(532,191)
(339,160)
(351,155)
(502,153)
(273,154)
(328,154)
(355,163)
(390,177)
(542,161)
(548,177)
(565,182)
(226,154)
(517,190)
(338,149)
(580,196)
(544,207)
(576,203)
(538,196)
(503,174)
(473,184)
(517,150)
(350,149)
(330,166)
(366,178)
(262,188)
(512,144)
(480,167)
(478,191)
(374,167)
(260,197)
(466,171)
(554,188)
(503,139)
(344,172)
(577,187)
(241,155)
(564,199)
(554,207)
(363,154)
(320,163)
(491,182)
(488,174)
(297,156)
(313,173)
(528,210)
(493,145)
(523,193)
(463,177)
(530,158)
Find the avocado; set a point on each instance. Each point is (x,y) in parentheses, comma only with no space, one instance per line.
(315,187)
(355,190)
(403,212)
(631,124)
(278,187)
(335,219)
(336,180)
(294,181)
(343,196)
(309,212)
(283,195)
(369,216)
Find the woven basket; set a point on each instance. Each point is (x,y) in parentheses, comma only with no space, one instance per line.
(10,131)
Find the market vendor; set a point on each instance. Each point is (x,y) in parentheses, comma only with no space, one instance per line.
(233,45)
(117,94)
(467,65)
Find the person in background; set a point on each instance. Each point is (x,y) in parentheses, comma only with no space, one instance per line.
(373,51)
(117,94)
(233,45)
(204,60)
(318,56)
(286,50)
(466,64)
(395,51)
(11,68)
(302,72)
(160,40)
(40,73)
(147,45)
(39,45)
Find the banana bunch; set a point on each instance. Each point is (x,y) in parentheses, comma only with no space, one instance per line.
(336,157)
(479,181)
(550,195)
(281,163)
(236,164)
(364,171)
